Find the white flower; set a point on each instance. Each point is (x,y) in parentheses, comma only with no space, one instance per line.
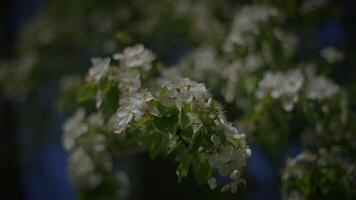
(136,56)
(212,183)
(331,54)
(99,69)
(129,81)
(131,108)
(282,85)
(227,160)
(73,128)
(82,169)
(186,91)
(246,24)
(321,88)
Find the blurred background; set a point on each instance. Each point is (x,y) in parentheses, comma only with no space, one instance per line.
(33,164)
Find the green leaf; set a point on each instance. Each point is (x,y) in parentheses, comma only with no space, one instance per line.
(166,110)
(184,120)
(166,124)
(183,167)
(201,171)
(110,101)
(198,140)
(86,92)
(156,144)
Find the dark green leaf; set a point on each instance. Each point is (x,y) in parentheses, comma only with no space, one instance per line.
(166,124)
(86,92)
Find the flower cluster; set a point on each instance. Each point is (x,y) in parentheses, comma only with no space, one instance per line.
(180,117)
(131,108)
(284,86)
(135,56)
(332,55)
(323,174)
(99,69)
(246,25)
(321,88)
(87,151)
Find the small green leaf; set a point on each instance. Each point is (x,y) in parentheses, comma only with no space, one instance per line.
(166,124)
(184,120)
(166,110)
(183,167)
(110,101)
(86,92)
(201,171)
(156,144)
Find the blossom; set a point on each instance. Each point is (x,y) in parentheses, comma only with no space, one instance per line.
(129,81)
(212,183)
(321,88)
(186,91)
(331,54)
(246,24)
(281,85)
(73,128)
(82,168)
(136,56)
(99,69)
(131,108)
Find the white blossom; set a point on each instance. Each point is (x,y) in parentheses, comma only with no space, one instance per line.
(246,24)
(212,183)
(321,88)
(131,108)
(99,69)
(73,128)
(136,56)
(281,85)
(82,169)
(186,91)
(331,54)
(129,81)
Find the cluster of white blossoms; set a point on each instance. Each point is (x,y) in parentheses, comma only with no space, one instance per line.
(133,61)
(246,25)
(227,159)
(81,168)
(320,89)
(331,54)
(185,91)
(311,165)
(99,69)
(131,108)
(136,56)
(142,110)
(86,151)
(73,128)
(282,85)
